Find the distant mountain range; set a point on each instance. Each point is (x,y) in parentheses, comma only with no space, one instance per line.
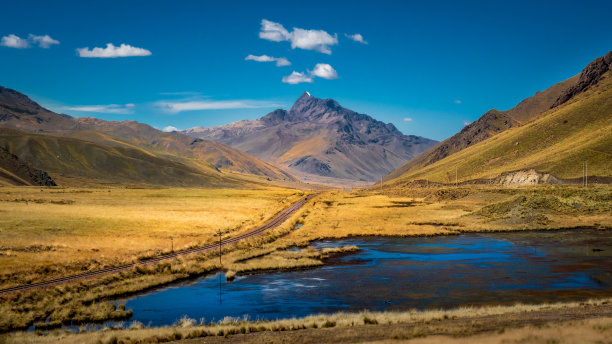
(555,132)
(319,140)
(88,150)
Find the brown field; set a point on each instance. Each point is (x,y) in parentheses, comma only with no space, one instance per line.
(56,231)
(63,231)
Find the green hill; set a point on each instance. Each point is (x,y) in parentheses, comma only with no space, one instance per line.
(71,161)
(494,122)
(558,141)
(85,150)
(555,131)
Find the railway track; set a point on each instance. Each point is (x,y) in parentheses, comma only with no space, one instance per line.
(273,223)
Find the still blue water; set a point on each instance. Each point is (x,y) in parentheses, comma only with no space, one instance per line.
(400,274)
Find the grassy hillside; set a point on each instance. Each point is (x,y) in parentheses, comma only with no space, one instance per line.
(174,146)
(70,160)
(558,142)
(14,171)
(181,157)
(488,125)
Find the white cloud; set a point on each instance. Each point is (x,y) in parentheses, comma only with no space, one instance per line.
(457,101)
(408,119)
(111,51)
(170,129)
(43,41)
(357,38)
(318,40)
(280,61)
(273,31)
(193,105)
(321,70)
(466,123)
(111,108)
(13,41)
(325,71)
(296,78)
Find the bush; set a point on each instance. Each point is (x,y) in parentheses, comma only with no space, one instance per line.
(368,321)
(329,323)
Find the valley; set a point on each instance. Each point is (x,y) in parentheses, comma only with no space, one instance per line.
(167,178)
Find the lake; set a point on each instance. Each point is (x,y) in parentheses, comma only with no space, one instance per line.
(390,273)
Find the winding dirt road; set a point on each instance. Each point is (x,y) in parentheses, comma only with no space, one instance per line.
(273,223)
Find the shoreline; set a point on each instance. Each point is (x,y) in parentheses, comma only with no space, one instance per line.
(364,326)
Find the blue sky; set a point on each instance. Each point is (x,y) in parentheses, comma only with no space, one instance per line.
(428,67)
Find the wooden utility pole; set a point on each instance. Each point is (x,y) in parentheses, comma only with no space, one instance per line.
(586,174)
(171,244)
(219,246)
(455,175)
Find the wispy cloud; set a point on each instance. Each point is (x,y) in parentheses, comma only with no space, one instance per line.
(183,93)
(457,101)
(321,70)
(296,78)
(466,123)
(111,108)
(170,129)
(44,42)
(318,40)
(111,51)
(408,119)
(280,61)
(193,105)
(356,37)
(14,41)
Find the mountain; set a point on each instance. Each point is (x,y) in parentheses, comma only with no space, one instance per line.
(576,127)
(121,152)
(319,140)
(75,162)
(494,121)
(19,112)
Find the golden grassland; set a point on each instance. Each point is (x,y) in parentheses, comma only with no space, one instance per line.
(62,231)
(95,228)
(452,210)
(87,301)
(409,324)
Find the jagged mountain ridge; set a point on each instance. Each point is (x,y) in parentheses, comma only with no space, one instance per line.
(319,138)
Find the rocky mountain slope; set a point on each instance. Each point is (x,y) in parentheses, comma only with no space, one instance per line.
(14,171)
(319,140)
(120,152)
(557,141)
(494,121)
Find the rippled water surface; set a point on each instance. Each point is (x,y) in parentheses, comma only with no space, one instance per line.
(403,273)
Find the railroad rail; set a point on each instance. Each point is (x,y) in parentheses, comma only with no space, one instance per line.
(273,223)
